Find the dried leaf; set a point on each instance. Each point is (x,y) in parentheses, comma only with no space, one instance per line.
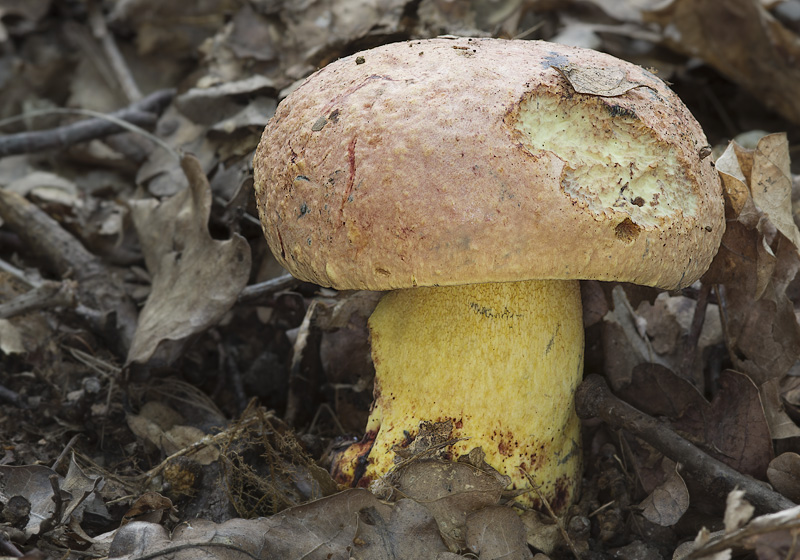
(33,482)
(485,540)
(781,426)
(351,524)
(668,502)
(601,81)
(763,529)
(409,532)
(738,511)
(732,427)
(451,491)
(784,475)
(625,341)
(742,40)
(758,259)
(151,507)
(772,184)
(196,279)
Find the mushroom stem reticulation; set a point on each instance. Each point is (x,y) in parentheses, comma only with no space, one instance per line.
(500,361)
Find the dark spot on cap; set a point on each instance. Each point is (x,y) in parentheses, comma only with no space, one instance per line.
(319,124)
(617,111)
(626,231)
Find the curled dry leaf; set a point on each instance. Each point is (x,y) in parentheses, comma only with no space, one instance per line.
(757,260)
(163,428)
(196,279)
(625,341)
(738,511)
(150,506)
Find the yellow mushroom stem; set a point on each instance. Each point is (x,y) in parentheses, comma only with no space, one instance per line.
(500,361)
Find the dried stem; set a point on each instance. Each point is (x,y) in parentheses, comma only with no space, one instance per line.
(251,294)
(594,399)
(47,295)
(141,113)
(98,288)
(114,56)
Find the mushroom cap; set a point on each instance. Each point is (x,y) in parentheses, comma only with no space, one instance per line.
(454,160)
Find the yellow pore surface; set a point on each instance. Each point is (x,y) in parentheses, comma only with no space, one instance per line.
(501,361)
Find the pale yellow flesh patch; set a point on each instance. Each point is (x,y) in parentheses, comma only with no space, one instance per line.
(501,361)
(614,165)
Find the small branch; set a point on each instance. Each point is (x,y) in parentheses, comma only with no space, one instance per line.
(118,65)
(696,329)
(594,399)
(12,397)
(141,113)
(98,289)
(253,293)
(47,295)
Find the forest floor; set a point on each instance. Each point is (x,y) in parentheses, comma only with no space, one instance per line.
(166,387)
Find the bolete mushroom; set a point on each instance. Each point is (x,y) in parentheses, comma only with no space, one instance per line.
(479,180)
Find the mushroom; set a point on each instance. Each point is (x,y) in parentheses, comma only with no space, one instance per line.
(477,181)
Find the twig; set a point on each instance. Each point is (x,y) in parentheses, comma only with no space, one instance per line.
(48,294)
(594,399)
(63,455)
(299,385)
(98,289)
(12,397)
(691,340)
(557,519)
(118,65)
(255,292)
(19,274)
(200,444)
(141,113)
(8,547)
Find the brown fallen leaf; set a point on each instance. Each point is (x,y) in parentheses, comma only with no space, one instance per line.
(784,475)
(742,40)
(484,539)
(732,427)
(668,500)
(151,507)
(164,429)
(603,82)
(451,491)
(408,532)
(196,279)
(351,524)
(756,262)
(36,484)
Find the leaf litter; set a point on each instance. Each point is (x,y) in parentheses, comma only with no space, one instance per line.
(127,348)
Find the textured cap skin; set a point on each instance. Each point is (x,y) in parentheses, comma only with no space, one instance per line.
(452,161)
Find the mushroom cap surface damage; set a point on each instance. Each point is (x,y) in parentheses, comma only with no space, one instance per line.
(455,162)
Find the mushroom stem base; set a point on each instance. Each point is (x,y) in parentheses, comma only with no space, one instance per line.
(499,361)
